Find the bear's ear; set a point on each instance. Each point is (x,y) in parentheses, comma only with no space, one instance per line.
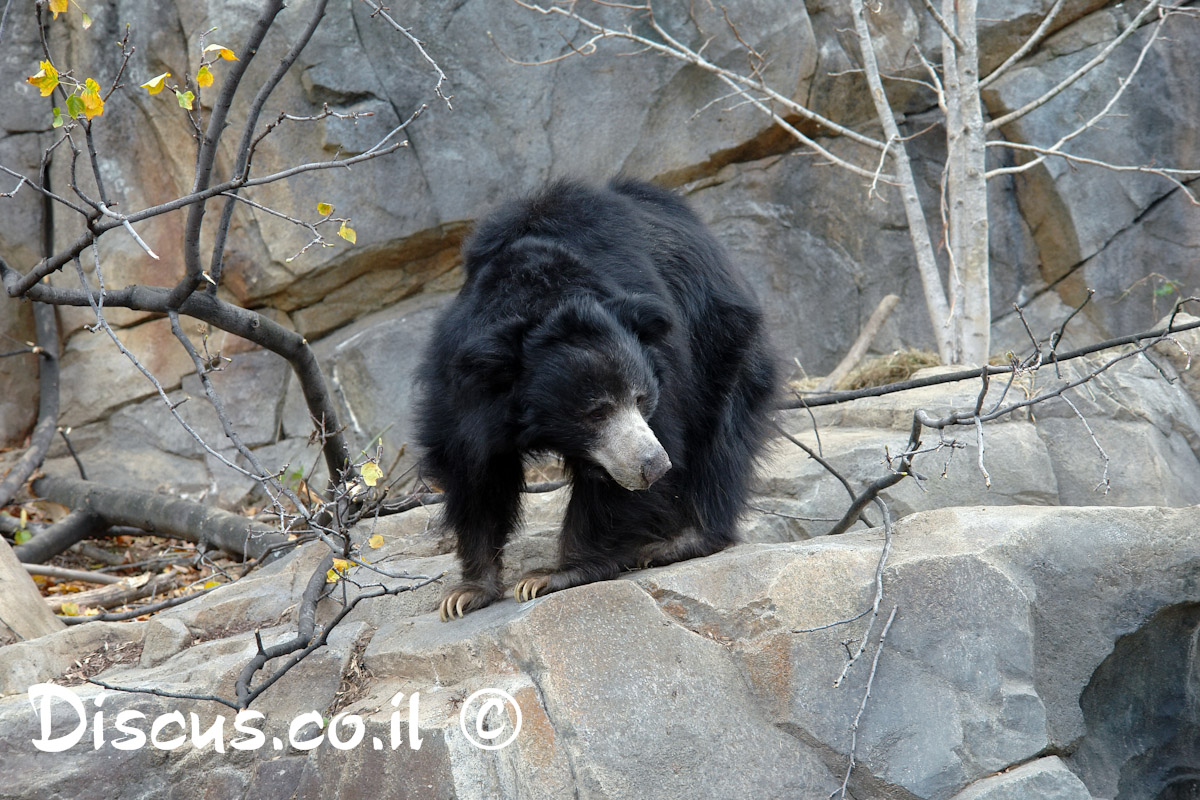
(645,315)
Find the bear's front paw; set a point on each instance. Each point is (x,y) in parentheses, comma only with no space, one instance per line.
(464,598)
(534,584)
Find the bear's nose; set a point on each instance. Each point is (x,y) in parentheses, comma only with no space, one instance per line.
(655,467)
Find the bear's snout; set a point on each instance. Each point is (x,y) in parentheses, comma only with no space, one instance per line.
(629,451)
(654,467)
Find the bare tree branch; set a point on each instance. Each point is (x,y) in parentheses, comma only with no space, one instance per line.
(207,154)
(862,707)
(63,574)
(227,317)
(1027,46)
(245,148)
(56,538)
(134,613)
(1066,82)
(672,48)
(46,331)
(947,30)
(813,400)
(43,431)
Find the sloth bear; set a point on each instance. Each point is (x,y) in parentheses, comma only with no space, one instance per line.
(605,325)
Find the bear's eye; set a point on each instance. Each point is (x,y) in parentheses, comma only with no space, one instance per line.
(600,412)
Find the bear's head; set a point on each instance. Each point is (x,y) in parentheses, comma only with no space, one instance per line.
(588,387)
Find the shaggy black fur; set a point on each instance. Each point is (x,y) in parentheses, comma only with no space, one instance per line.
(580,302)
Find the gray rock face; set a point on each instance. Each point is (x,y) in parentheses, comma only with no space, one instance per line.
(819,252)
(1025,628)
(1046,778)
(1020,631)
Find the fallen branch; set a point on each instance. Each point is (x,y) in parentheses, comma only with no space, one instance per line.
(63,574)
(133,613)
(859,348)
(119,593)
(57,538)
(163,514)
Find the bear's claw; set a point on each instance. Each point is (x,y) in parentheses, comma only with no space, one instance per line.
(460,601)
(532,585)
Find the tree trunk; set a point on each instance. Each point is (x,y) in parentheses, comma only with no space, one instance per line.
(966,188)
(918,228)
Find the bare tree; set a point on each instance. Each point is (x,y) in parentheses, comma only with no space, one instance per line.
(86,205)
(959,308)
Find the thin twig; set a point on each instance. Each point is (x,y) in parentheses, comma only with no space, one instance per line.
(862,706)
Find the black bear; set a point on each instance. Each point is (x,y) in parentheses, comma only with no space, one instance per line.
(606,325)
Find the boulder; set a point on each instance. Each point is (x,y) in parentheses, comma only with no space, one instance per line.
(1019,631)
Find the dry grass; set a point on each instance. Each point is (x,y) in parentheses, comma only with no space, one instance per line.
(894,367)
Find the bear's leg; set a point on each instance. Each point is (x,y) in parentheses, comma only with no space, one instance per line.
(722,455)
(688,543)
(481,513)
(601,521)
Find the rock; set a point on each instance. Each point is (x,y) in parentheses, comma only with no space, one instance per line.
(1165,237)
(1046,778)
(656,670)
(1139,752)
(1177,353)
(251,391)
(983,697)
(164,638)
(1148,428)
(1020,631)
(50,657)
(23,613)
(1138,431)
(91,363)
(1016,458)
(137,466)
(371,366)
(1070,223)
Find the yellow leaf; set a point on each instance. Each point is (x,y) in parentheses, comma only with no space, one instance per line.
(185,99)
(69,609)
(58,7)
(204,78)
(93,104)
(24,518)
(155,85)
(45,79)
(222,51)
(376,541)
(371,473)
(347,233)
(87,21)
(340,566)
(210,584)
(324,209)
